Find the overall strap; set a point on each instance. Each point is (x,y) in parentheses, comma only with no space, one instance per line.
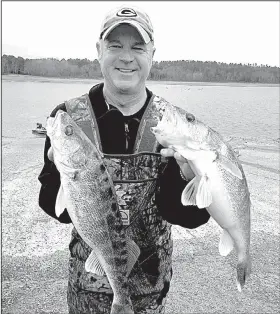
(145,139)
(81,111)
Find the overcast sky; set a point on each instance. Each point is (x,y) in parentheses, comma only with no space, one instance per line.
(238,32)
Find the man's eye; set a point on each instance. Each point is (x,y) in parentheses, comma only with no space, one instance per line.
(115,46)
(138,48)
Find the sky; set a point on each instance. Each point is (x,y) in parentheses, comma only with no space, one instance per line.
(222,31)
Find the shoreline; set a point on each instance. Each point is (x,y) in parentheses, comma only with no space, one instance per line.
(45,79)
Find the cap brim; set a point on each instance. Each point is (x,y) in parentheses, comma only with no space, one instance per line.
(145,36)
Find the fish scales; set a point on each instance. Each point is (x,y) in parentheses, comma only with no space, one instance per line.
(88,193)
(238,188)
(104,218)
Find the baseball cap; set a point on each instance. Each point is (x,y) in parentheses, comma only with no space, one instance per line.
(128,15)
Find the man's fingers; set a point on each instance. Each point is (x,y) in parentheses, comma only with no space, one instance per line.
(182,162)
(169,152)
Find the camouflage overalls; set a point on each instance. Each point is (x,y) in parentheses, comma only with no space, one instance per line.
(135,179)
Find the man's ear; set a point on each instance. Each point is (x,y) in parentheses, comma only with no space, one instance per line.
(98,48)
(152,58)
(154,50)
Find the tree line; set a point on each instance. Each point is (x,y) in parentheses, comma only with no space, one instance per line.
(183,70)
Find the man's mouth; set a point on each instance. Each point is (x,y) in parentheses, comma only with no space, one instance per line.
(125,70)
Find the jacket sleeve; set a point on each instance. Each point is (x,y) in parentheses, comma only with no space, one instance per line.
(171,186)
(50,182)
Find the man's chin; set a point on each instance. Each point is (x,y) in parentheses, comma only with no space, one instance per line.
(125,86)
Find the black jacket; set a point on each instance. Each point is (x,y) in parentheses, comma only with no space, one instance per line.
(115,140)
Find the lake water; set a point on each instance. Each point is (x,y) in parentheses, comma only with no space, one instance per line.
(237,110)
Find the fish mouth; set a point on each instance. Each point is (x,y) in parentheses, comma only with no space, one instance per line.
(52,123)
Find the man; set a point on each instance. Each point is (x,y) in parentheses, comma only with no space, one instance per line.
(119,115)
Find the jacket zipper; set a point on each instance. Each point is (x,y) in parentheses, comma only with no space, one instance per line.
(126,130)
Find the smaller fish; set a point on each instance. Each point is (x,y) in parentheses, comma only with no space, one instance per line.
(219,184)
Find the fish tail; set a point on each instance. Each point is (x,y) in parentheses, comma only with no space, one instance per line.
(243,272)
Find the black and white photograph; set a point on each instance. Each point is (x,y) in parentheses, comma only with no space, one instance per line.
(140,157)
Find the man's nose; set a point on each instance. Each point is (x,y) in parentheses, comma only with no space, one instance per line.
(126,56)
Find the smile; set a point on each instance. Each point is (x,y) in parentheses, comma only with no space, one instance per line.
(125,70)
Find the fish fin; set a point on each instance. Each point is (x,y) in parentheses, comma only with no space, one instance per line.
(226,243)
(93,265)
(133,252)
(203,195)
(231,167)
(189,192)
(60,203)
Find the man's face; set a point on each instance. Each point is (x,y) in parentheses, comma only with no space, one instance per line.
(125,59)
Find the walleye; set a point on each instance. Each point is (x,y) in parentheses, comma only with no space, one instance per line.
(88,193)
(219,184)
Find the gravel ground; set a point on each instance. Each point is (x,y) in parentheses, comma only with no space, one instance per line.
(35,253)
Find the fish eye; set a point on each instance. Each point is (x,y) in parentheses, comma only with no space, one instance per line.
(68,130)
(190,117)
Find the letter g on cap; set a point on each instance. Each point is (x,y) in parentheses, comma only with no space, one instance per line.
(127,12)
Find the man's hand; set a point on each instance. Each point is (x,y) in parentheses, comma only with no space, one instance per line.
(181,161)
(50,154)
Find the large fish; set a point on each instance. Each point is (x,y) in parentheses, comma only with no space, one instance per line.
(219,184)
(88,193)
